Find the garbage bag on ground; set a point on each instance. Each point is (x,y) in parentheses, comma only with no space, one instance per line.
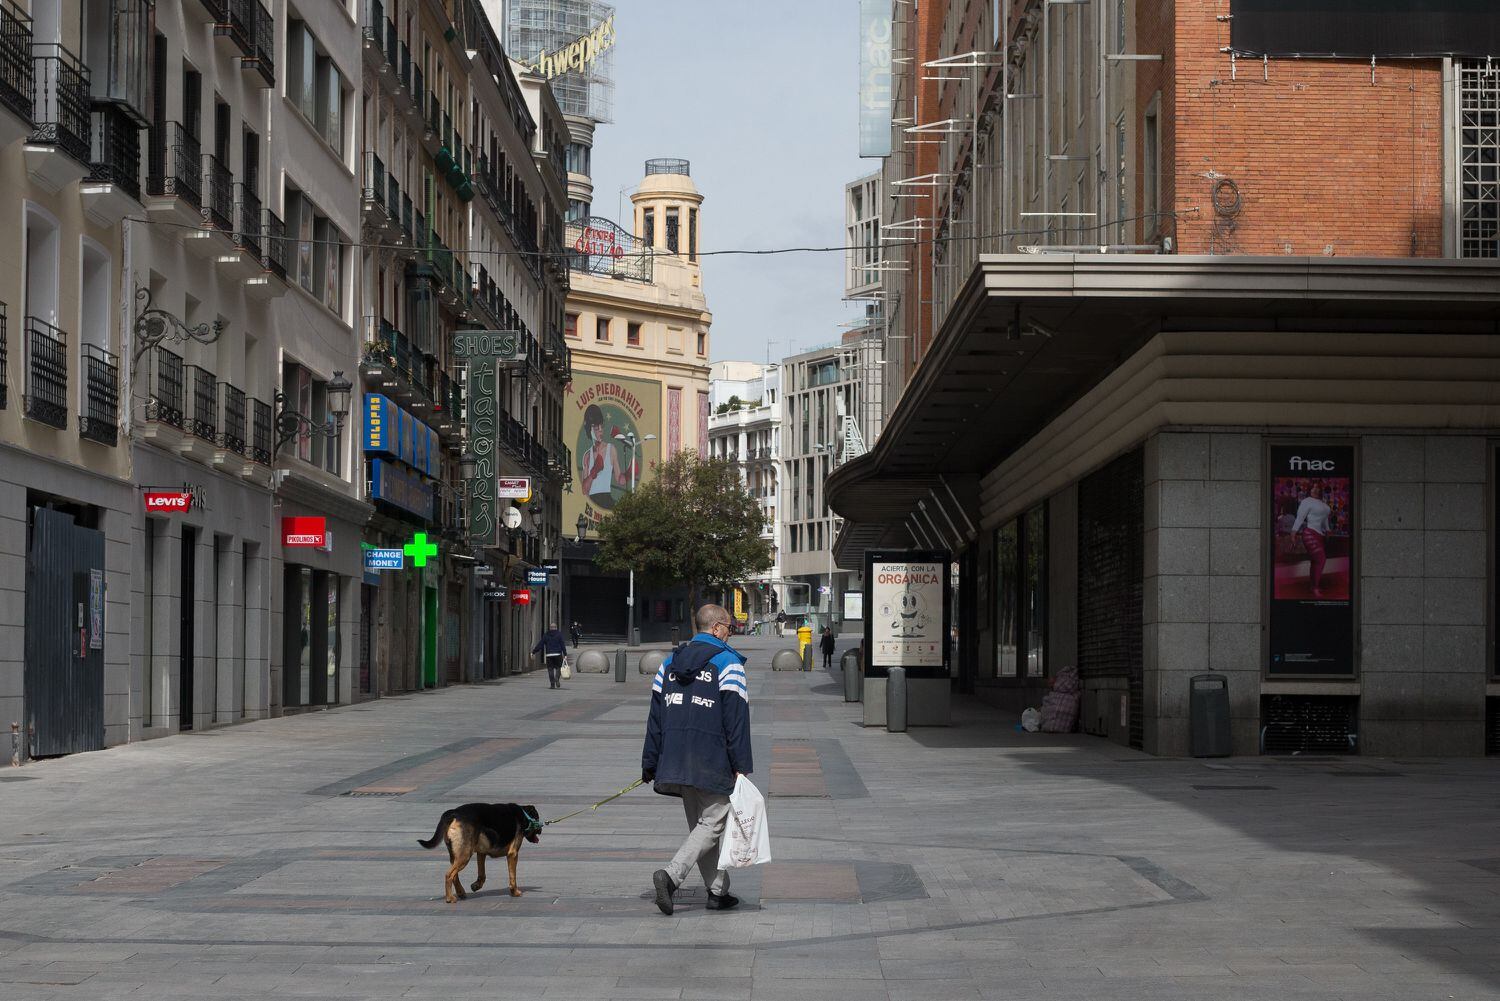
(1031,721)
(1060,705)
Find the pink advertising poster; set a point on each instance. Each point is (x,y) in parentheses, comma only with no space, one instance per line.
(674,421)
(702,423)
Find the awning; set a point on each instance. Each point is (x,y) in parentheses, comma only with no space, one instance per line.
(1030,334)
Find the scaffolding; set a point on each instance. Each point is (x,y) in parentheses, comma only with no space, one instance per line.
(537,28)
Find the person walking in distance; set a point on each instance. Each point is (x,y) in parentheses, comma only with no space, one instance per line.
(577,632)
(827,644)
(697,744)
(552,646)
(1312,522)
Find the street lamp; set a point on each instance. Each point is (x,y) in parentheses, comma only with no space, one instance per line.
(823,448)
(583,527)
(630,441)
(290,424)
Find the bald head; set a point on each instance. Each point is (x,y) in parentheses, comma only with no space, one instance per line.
(710,616)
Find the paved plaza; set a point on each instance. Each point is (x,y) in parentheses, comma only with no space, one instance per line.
(278,859)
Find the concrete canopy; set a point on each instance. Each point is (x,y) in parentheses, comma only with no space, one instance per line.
(1030,334)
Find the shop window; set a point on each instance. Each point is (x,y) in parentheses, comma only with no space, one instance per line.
(1021,596)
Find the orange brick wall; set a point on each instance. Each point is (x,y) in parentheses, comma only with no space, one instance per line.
(1325,162)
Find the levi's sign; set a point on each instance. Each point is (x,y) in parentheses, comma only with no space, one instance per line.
(169,501)
(508,347)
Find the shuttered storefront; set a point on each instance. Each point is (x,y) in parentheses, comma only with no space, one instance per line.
(1111,549)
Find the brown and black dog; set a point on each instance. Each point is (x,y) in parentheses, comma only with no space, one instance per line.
(483,829)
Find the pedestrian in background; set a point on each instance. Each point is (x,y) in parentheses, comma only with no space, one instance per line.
(577,632)
(697,744)
(553,647)
(827,643)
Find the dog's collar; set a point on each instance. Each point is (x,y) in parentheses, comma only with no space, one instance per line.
(533,823)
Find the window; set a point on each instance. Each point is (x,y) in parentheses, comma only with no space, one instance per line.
(316,86)
(577,210)
(319,264)
(702,343)
(633,334)
(1122,203)
(1021,596)
(1479,145)
(578,158)
(1151,170)
(570,325)
(648,227)
(671,226)
(693,237)
(601,328)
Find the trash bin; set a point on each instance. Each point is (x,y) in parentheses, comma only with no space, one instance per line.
(620,661)
(895,700)
(1208,715)
(635,635)
(675,632)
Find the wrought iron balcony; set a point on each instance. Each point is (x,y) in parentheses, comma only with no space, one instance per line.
(372,21)
(392,47)
(16,67)
(4,378)
(247,214)
(100,420)
(61,105)
(232,436)
(260,429)
(46,373)
(203,403)
(375,188)
(164,401)
(275,253)
(264,60)
(115,155)
(176,163)
(405,68)
(235,20)
(218,193)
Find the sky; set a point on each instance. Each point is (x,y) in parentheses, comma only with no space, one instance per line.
(761,96)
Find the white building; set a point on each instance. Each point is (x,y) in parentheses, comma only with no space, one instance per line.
(745,428)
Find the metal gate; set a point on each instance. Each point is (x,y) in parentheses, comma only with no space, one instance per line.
(64,675)
(1111,557)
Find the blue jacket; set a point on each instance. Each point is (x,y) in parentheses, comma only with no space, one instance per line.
(698,733)
(551,643)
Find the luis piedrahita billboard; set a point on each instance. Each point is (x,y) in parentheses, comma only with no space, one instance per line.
(599,411)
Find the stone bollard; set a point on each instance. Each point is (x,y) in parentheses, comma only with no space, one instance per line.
(853,678)
(807,657)
(621,659)
(592,662)
(650,661)
(895,700)
(786,660)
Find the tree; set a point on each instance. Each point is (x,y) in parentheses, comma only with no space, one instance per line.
(694,523)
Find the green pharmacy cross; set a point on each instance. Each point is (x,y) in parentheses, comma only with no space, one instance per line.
(420,550)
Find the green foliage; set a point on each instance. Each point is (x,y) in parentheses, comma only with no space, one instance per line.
(693,523)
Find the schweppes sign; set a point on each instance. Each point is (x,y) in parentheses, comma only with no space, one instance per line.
(579,53)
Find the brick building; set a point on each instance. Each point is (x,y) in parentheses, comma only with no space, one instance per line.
(1198,359)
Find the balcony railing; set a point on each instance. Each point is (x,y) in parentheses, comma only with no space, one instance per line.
(164,401)
(232,437)
(218,193)
(16,67)
(248,216)
(408,218)
(203,402)
(372,21)
(265,44)
(392,47)
(115,150)
(236,21)
(61,106)
(46,373)
(260,430)
(4,402)
(100,420)
(375,183)
(273,232)
(404,68)
(176,163)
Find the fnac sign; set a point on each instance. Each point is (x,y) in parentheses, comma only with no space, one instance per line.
(168,501)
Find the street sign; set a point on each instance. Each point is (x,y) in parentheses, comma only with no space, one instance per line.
(536,577)
(514,487)
(551,567)
(822,588)
(495,594)
(508,347)
(385,559)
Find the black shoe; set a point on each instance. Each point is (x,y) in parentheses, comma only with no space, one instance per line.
(721,901)
(664,890)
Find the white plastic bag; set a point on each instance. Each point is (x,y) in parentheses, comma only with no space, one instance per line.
(747,834)
(567,669)
(1031,721)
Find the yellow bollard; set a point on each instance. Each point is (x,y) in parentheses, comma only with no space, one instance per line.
(804,640)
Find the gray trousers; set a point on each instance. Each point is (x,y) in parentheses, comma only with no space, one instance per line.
(706,814)
(554,670)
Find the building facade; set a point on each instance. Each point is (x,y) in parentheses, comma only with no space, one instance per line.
(745,429)
(1141,402)
(637,324)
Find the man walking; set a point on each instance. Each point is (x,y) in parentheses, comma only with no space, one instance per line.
(553,646)
(577,632)
(697,742)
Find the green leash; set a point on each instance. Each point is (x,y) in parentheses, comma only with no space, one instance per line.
(559,820)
